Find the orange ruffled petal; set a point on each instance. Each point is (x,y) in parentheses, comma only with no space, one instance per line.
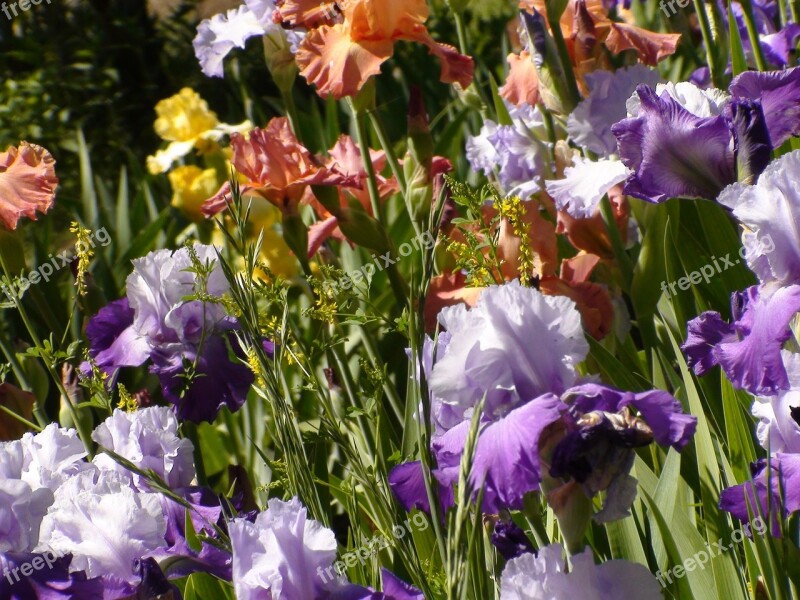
(339,59)
(329,59)
(27,183)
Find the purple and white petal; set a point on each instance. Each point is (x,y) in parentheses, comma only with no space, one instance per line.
(546,577)
(149,439)
(283,554)
(584,185)
(490,353)
(220,34)
(589,125)
(104,523)
(674,153)
(768,212)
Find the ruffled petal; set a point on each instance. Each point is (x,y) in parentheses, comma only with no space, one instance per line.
(673,152)
(753,362)
(217,36)
(27,183)
(338,66)
(584,185)
(506,462)
(779,93)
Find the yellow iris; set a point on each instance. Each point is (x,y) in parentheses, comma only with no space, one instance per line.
(191,187)
(187,123)
(183,117)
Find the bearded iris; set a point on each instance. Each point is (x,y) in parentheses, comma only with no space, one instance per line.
(537,423)
(156,323)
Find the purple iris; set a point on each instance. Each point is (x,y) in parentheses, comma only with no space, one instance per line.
(773,491)
(598,432)
(749,348)
(514,151)
(54,581)
(530,400)
(675,153)
(156,323)
(778,44)
(779,95)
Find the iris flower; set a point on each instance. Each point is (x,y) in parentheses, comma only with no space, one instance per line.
(27,183)
(340,57)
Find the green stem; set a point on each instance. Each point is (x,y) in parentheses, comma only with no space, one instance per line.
(708,42)
(20,418)
(83,432)
(566,62)
(395,279)
(752,34)
(291,110)
(461,31)
(782,12)
(391,157)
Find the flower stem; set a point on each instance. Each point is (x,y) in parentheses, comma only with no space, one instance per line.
(752,34)
(708,42)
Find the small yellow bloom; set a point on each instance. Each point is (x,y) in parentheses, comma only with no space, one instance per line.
(191,186)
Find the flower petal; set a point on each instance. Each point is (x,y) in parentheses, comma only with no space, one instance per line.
(584,185)
(779,92)
(27,183)
(673,152)
(338,66)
